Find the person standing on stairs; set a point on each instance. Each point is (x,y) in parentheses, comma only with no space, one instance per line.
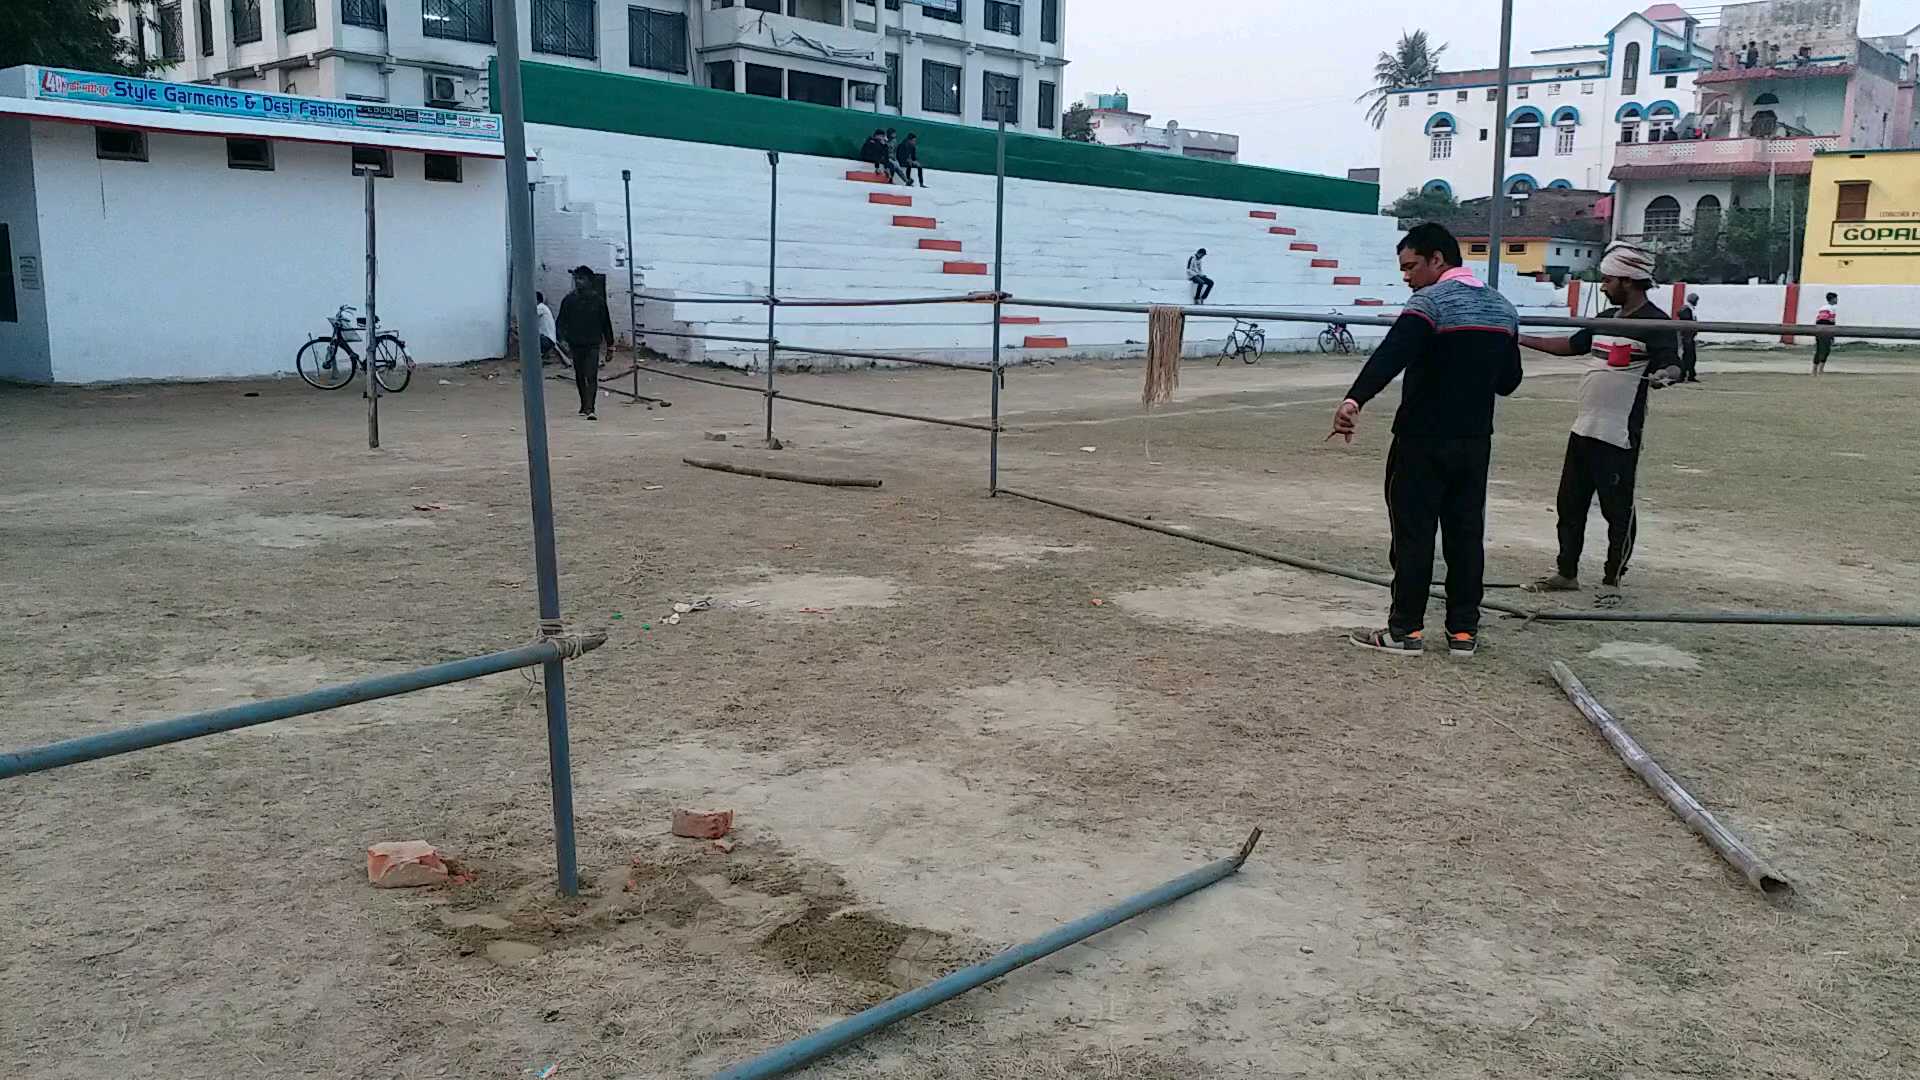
(1202,284)
(585,324)
(907,156)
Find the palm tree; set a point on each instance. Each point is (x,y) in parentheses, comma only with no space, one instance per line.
(1413,62)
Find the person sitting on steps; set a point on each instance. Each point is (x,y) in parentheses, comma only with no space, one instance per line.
(1202,284)
(907,157)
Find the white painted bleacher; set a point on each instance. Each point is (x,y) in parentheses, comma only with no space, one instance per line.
(700,230)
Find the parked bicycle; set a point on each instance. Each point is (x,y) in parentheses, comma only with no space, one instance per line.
(1336,338)
(1246,340)
(329,363)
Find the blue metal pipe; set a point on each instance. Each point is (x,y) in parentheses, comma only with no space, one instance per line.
(785,1059)
(195,725)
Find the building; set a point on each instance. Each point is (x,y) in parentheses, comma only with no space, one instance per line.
(1569,111)
(934,59)
(1863,218)
(154,230)
(1558,257)
(1789,81)
(1114,123)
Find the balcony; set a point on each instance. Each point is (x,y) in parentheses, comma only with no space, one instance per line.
(793,35)
(1705,158)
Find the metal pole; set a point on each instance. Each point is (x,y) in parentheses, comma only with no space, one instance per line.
(373,323)
(533,403)
(773,297)
(999,234)
(1497,206)
(1793,249)
(633,289)
(785,1059)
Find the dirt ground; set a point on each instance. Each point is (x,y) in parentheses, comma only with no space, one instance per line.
(947,724)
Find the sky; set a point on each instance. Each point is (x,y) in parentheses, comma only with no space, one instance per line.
(1282,74)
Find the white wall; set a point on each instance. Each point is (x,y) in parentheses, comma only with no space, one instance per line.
(23,344)
(179,267)
(1860,305)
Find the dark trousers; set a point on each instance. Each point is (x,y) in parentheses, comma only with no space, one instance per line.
(1593,467)
(1821,347)
(1202,288)
(1689,358)
(908,168)
(586,374)
(1438,483)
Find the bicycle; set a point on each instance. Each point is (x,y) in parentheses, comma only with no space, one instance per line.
(1246,340)
(329,363)
(1336,338)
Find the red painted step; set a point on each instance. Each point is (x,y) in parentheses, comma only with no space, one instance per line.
(908,221)
(1268,214)
(1369,303)
(1346,281)
(1019,320)
(1284,230)
(939,245)
(1326,264)
(963,268)
(868,177)
(885,199)
(1034,342)
(1297,246)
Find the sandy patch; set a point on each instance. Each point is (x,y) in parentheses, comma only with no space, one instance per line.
(999,552)
(809,593)
(1259,598)
(1036,710)
(297,530)
(1646,654)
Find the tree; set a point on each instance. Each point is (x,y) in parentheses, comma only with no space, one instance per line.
(1077,124)
(1413,62)
(1429,205)
(67,33)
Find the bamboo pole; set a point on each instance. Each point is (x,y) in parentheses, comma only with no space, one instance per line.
(782,474)
(1761,876)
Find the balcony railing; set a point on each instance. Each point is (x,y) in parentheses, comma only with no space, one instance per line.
(1725,151)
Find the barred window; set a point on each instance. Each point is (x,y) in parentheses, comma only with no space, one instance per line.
(298,15)
(246,21)
(1003,17)
(992,84)
(564,28)
(369,13)
(1049,103)
(173,43)
(944,10)
(457,20)
(939,87)
(203,15)
(658,40)
(893,80)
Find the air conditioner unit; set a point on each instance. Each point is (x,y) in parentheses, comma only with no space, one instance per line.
(445,91)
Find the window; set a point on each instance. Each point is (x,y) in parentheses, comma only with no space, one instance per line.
(565,28)
(720,75)
(203,18)
(255,154)
(1630,70)
(368,13)
(1563,140)
(944,10)
(817,89)
(1853,201)
(766,81)
(1003,17)
(1663,215)
(1630,131)
(1483,134)
(457,20)
(1433,99)
(1553,89)
(1516,249)
(1521,92)
(1660,120)
(119,144)
(9,306)
(1477,249)
(939,87)
(1586,88)
(865,93)
(297,15)
(1405,100)
(993,85)
(246,21)
(377,158)
(1493,94)
(1526,139)
(1460,96)
(1557,251)
(1049,104)
(1050,22)
(173,42)
(1673,82)
(893,80)
(658,40)
(1441,146)
(1519,186)
(443,168)
(1706,214)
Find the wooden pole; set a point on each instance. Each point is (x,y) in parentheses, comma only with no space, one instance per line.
(782,474)
(1730,847)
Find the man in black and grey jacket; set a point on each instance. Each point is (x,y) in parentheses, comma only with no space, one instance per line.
(585,324)
(1458,342)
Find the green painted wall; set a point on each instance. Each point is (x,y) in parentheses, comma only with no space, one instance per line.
(631,105)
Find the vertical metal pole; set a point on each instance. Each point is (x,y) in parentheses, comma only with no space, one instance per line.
(1497,206)
(633,290)
(773,243)
(373,323)
(1793,249)
(533,404)
(999,233)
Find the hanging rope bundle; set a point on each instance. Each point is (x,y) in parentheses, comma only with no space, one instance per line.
(1166,331)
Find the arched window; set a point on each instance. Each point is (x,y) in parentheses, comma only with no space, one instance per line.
(1440,129)
(1560,185)
(1763,125)
(1630,70)
(1437,187)
(1629,117)
(1706,214)
(1661,118)
(1663,215)
(1522,185)
(1767,99)
(1524,131)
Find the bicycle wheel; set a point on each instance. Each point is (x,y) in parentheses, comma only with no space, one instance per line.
(1346,340)
(1327,340)
(390,363)
(1228,349)
(1255,345)
(324,365)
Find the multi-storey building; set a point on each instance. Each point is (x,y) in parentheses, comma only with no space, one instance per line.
(1114,123)
(937,59)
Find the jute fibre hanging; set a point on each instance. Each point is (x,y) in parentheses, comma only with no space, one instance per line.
(1166,331)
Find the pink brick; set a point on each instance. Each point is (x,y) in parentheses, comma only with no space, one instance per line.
(702,824)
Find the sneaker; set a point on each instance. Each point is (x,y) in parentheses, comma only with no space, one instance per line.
(1386,641)
(1462,646)
(1555,583)
(590,416)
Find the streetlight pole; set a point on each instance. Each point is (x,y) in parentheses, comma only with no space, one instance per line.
(1002,100)
(1497,206)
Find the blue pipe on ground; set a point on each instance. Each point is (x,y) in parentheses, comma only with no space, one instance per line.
(195,725)
(785,1059)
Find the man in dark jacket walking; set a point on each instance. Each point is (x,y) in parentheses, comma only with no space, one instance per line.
(1459,344)
(585,324)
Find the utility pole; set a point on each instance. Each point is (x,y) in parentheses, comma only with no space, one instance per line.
(1497,206)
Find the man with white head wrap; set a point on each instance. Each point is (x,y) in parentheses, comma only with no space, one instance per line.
(1603,452)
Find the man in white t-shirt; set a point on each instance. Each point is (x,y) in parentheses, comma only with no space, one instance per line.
(1196,273)
(1828,315)
(548,346)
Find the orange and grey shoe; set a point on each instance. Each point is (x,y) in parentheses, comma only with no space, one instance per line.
(1387,641)
(1463,645)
